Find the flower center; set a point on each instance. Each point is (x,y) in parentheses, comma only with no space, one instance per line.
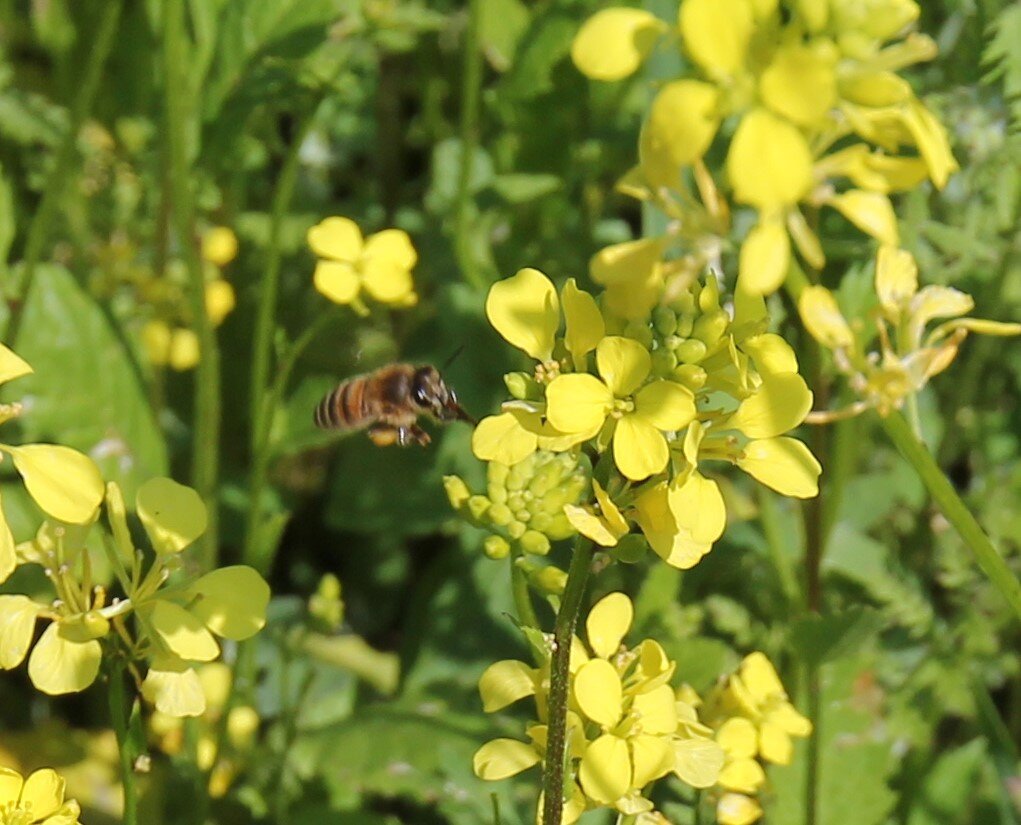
(546,371)
(14,813)
(621,407)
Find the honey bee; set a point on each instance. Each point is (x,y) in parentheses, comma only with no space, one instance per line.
(388,402)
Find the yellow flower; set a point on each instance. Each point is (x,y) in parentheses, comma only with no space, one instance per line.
(64,483)
(220,299)
(348,264)
(639,415)
(39,798)
(626,727)
(219,245)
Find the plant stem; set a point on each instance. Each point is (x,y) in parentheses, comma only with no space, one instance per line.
(950,504)
(522,596)
(120,716)
(85,94)
(563,632)
(471,90)
(179,112)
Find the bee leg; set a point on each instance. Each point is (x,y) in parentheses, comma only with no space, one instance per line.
(383,435)
(421,436)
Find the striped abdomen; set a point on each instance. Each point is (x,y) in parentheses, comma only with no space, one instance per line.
(343,409)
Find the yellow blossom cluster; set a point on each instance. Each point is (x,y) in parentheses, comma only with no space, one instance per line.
(626,725)
(909,353)
(169,338)
(653,401)
(821,116)
(37,799)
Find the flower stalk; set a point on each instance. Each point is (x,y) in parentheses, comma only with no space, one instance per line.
(567,619)
(120,716)
(950,504)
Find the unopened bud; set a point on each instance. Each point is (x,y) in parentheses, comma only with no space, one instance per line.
(630,548)
(550,580)
(516,529)
(663,362)
(691,351)
(711,326)
(559,527)
(691,376)
(478,506)
(500,514)
(457,491)
(521,385)
(534,542)
(664,320)
(496,547)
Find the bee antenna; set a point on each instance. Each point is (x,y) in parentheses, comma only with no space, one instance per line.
(452,358)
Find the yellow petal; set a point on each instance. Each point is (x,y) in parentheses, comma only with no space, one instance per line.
(613,42)
(182,633)
(65,483)
(783,464)
(623,364)
(633,276)
(605,770)
(8,554)
(674,545)
(934,301)
(611,514)
(932,142)
(771,353)
(769,162)
(778,405)
(501,758)
(17,627)
(805,238)
(583,322)
(639,449)
(738,738)
(697,505)
(875,88)
(231,601)
(337,239)
(980,326)
(219,245)
(388,283)
(681,124)
(391,246)
(896,278)
(800,84)
(176,692)
(503,683)
(717,33)
(760,678)
(607,622)
(656,710)
(651,758)
(524,309)
(577,402)
(666,405)
(502,439)
(698,761)
(871,212)
(60,666)
(765,258)
(743,775)
(737,809)
(598,691)
(184,352)
(11,365)
(775,744)
(220,300)
(173,515)
(823,319)
(336,280)
(590,525)
(43,793)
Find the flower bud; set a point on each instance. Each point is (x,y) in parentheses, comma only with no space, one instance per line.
(520,473)
(691,351)
(457,491)
(496,547)
(516,529)
(84,627)
(664,320)
(478,506)
(630,548)
(663,362)
(711,326)
(521,385)
(550,580)
(534,542)
(691,376)
(500,515)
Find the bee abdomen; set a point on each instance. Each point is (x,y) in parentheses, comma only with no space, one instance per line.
(341,409)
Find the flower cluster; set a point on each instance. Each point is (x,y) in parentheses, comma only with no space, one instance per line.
(626,726)
(350,265)
(37,799)
(169,338)
(822,117)
(176,618)
(651,400)
(753,721)
(909,353)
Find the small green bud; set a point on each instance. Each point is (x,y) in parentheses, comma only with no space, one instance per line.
(630,548)
(663,362)
(709,296)
(496,474)
(500,515)
(550,580)
(496,547)
(498,493)
(691,376)
(559,527)
(691,351)
(683,304)
(84,627)
(477,506)
(519,384)
(711,326)
(539,521)
(640,332)
(516,529)
(664,320)
(457,491)
(685,324)
(516,501)
(534,542)
(546,478)
(523,514)
(521,472)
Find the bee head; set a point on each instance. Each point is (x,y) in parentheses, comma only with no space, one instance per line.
(430,392)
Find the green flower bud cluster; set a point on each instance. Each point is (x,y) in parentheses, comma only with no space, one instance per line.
(524,502)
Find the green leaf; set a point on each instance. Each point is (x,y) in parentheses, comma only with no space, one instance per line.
(950,786)
(521,187)
(821,638)
(86,391)
(501,24)
(543,47)
(1002,57)
(446,175)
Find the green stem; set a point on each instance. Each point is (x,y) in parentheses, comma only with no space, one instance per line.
(775,540)
(556,731)
(179,112)
(471,90)
(521,593)
(946,498)
(85,94)
(120,716)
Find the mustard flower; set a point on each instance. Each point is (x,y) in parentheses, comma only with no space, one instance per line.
(219,245)
(639,413)
(64,483)
(908,355)
(169,343)
(37,799)
(626,726)
(380,265)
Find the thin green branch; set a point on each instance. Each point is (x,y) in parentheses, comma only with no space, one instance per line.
(471,91)
(180,120)
(522,595)
(956,512)
(556,730)
(120,717)
(85,95)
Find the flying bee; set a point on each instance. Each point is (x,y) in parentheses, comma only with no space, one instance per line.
(388,402)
